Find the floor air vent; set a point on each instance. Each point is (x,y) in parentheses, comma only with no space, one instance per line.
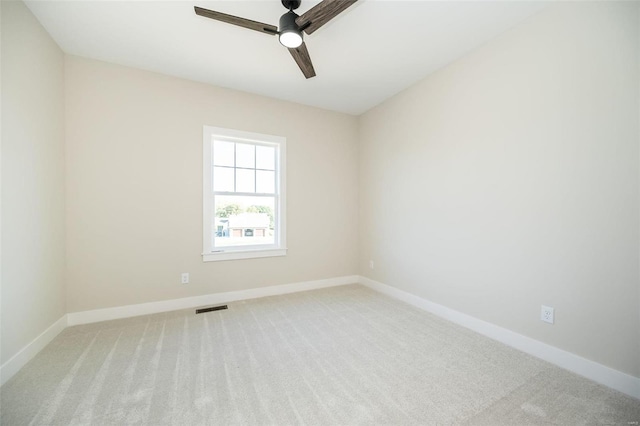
(211,309)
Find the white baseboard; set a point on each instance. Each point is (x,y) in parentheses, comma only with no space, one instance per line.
(86,317)
(19,360)
(607,376)
(599,373)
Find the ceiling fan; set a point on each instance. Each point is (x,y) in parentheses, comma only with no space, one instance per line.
(291,26)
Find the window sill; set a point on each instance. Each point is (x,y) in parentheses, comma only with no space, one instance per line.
(247,254)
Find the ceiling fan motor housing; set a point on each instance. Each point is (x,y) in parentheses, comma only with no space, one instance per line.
(288,22)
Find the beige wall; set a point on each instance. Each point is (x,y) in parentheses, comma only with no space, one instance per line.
(134,187)
(33,244)
(509,179)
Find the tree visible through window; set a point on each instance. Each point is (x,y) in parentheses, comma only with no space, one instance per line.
(244,194)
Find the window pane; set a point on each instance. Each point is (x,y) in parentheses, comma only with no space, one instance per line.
(265,182)
(243,221)
(265,157)
(245,155)
(245,180)
(223,153)
(223,179)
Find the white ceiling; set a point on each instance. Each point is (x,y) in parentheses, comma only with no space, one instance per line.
(370,52)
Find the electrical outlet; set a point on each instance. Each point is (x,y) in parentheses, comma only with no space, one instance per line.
(371,265)
(546,314)
(185,278)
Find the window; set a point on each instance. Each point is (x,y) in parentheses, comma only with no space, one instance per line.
(244,195)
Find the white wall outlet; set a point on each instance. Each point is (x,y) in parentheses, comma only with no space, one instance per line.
(185,278)
(546,314)
(371,264)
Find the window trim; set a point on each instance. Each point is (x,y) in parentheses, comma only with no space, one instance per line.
(210,253)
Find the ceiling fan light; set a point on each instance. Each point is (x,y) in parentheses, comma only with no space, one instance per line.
(290,35)
(290,39)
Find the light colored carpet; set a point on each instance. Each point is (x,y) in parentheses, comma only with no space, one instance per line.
(337,356)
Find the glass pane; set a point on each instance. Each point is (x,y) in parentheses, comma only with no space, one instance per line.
(245,155)
(265,182)
(223,153)
(245,180)
(243,221)
(223,179)
(265,157)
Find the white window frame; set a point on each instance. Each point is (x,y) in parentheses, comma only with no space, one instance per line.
(279,248)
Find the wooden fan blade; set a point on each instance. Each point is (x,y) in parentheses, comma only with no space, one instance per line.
(322,13)
(301,56)
(235,20)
